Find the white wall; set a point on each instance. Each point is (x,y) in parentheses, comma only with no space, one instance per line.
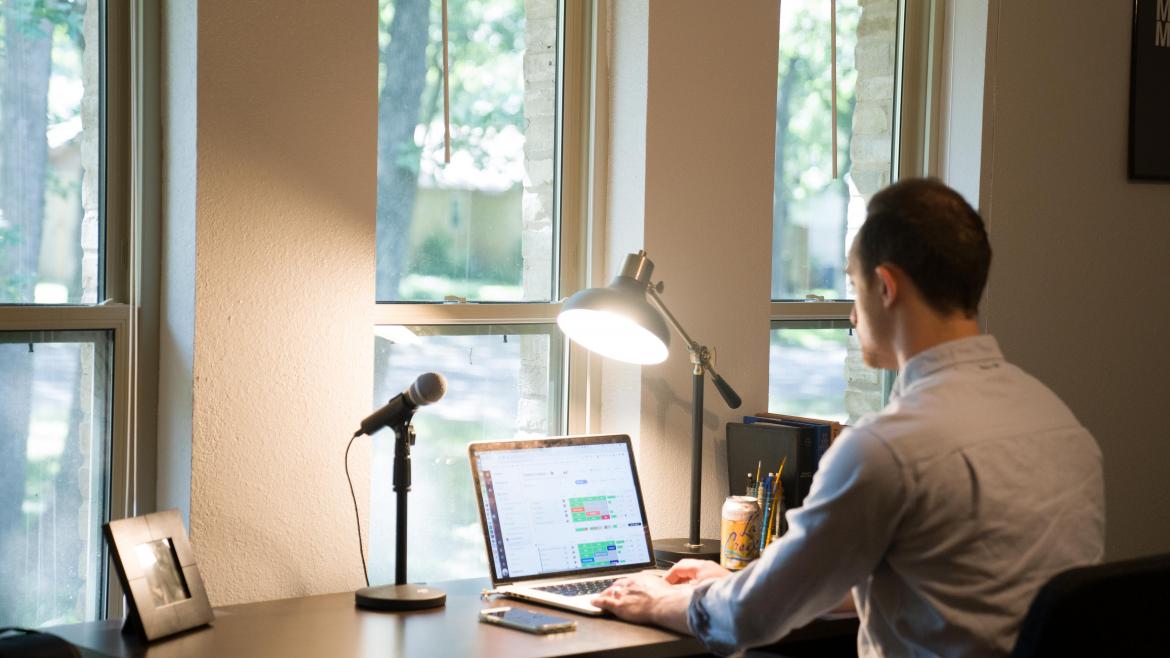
(964,54)
(710,114)
(1078,284)
(626,45)
(284,180)
(177,260)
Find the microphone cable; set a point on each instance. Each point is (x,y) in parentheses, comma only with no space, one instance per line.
(356,516)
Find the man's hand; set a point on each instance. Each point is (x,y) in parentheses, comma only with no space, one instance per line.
(695,571)
(648,599)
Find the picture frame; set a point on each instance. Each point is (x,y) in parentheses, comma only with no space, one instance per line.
(157,569)
(1149,92)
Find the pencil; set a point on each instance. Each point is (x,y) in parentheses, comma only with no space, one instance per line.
(773,481)
(763,516)
(777,493)
(766,509)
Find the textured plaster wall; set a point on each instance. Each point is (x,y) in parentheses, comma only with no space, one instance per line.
(710,114)
(284,279)
(1078,285)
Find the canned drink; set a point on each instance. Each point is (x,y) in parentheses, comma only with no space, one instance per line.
(740,536)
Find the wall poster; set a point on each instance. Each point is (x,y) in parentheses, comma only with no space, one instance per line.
(1149,92)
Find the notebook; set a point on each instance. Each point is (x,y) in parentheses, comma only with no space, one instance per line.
(562,517)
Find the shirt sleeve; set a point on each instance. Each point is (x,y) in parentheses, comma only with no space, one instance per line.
(834,541)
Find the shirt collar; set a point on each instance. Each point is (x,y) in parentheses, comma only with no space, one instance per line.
(946,355)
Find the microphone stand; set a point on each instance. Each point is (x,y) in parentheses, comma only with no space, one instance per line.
(401,595)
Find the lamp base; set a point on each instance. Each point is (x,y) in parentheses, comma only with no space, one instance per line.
(400,597)
(673,550)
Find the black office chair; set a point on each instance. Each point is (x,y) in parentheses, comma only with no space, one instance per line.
(1114,609)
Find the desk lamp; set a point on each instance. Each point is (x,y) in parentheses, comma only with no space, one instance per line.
(627,321)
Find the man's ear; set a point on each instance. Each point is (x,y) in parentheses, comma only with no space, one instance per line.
(887,285)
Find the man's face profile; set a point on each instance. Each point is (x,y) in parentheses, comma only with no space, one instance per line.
(868,314)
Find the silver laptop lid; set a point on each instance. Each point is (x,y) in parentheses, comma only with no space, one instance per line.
(561,506)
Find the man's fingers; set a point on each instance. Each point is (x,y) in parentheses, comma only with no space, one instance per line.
(608,600)
(680,573)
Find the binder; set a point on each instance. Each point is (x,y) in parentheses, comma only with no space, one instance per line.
(818,441)
(766,445)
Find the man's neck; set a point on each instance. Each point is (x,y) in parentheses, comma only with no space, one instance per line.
(921,331)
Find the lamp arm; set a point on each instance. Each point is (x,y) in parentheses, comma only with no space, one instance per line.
(692,346)
(700,354)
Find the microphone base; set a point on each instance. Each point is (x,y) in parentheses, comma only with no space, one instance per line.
(400,597)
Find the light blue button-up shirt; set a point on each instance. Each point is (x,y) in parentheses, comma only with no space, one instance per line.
(944,514)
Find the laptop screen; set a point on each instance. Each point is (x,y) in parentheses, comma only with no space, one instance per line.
(560,506)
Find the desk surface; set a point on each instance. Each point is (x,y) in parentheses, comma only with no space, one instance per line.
(330,625)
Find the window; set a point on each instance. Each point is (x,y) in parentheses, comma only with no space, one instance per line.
(819,372)
(64,375)
(55,470)
(815,362)
(472,254)
(503,381)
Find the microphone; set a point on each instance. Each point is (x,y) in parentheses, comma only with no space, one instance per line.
(427,389)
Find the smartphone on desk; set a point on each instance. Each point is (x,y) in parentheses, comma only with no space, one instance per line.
(526,620)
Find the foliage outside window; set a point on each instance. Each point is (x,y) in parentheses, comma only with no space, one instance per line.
(479,227)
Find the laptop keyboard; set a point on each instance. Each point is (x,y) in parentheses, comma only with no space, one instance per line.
(578,589)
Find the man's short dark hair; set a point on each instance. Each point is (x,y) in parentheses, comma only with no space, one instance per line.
(934,236)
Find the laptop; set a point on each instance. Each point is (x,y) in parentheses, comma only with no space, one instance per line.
(562,517)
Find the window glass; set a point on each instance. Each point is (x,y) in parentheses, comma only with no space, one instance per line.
(55,412)
(49,219)
(815,215)
(817,371)
(503,382)
(482,226)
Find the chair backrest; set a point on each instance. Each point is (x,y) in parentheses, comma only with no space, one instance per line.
(1113,609)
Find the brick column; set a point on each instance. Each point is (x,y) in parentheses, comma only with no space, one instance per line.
(870,148)
(871,152)
(540,80)
(90,369)
(90,181)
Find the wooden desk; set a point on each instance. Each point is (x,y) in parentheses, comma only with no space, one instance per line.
(330,626)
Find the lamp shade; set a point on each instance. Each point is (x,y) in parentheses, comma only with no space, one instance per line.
(616,322)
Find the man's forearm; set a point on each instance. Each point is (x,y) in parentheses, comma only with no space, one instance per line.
(671,610)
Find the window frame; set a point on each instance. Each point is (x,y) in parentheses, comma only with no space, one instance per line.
(576,200)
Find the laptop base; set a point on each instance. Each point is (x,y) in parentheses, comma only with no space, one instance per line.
(400,597)
(670,551)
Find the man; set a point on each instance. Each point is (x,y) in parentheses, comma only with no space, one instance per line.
(945,512)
